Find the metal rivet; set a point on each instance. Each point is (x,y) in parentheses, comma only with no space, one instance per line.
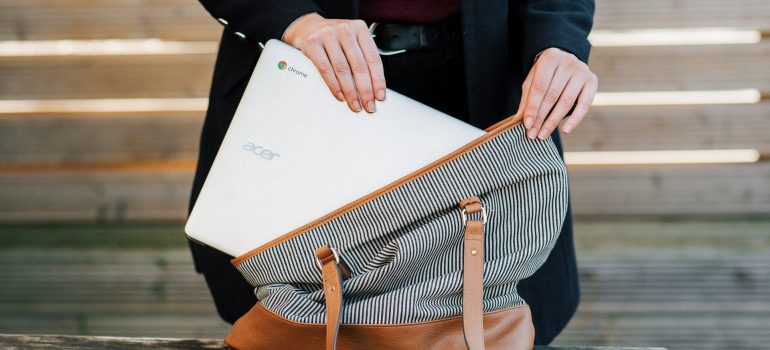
(243,36)
(223,21)
(474,252)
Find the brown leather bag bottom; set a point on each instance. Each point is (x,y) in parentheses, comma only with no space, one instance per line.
(260,328)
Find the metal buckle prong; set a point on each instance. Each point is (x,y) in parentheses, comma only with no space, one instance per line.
(372,27)
(336,258)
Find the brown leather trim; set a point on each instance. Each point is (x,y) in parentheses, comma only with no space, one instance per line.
(509,329)
(513,118)
(473,296)
(492,131)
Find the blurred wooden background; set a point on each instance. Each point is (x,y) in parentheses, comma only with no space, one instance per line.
(101,104)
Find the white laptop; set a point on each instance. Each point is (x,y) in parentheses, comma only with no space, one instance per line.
(293,153)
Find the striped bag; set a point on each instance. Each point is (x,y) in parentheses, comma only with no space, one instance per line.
(430,261)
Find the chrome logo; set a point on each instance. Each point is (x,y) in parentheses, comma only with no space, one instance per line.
(282,65)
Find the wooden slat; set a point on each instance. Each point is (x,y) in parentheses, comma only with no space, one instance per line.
(149,193)
(707,67)
(99,138)
(60,77)
(79,138)
(630,14)
(116,19)
(108,292)
(155,192)
(89,138)
(671,190)
(672,127)
(634,299)
(183,19)
(91,281)
(709,235)
(703,67)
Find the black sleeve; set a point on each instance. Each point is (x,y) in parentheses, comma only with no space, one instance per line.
(556,23)
(256,21)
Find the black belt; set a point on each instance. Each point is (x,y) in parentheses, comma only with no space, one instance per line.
(394,38)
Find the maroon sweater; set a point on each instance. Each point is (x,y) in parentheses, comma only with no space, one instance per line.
(407,11)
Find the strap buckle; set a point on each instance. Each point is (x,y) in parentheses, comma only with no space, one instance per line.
(336,258)
(475,204)
(372,28)
(483,216)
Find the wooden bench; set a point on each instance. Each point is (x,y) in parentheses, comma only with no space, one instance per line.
(106,343)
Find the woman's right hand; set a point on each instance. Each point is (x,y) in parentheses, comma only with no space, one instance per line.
(345,55)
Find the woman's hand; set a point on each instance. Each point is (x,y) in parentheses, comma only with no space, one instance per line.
(557,80)
(345,55)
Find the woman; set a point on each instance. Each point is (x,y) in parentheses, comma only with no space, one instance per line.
(480,61)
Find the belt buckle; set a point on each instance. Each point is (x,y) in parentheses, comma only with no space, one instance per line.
(372,27)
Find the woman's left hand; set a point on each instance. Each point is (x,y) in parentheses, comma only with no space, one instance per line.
(556,81)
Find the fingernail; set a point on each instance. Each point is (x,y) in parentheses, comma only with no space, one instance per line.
(567,128)
(370,107)
(340,96)
(543,134)
(528,122)
(532,133)
(356,106)
(381,94)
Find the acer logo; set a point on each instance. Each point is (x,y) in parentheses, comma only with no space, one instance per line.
(260,151)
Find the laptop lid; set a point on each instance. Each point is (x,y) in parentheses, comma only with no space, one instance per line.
(293,153)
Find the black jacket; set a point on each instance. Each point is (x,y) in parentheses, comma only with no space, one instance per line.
(501,39)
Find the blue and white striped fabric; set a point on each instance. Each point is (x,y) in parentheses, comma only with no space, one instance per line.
(404,247)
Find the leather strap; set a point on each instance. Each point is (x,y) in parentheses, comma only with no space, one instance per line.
(473,269)
(332,282)
(332,271)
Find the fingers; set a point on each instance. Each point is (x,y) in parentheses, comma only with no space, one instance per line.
(541,80)
(584,102)
(525,95)
(317,54)
(554,95)
(557,82)
(345,55)
(563,105)
(357,63)
(341,69)
(372,57)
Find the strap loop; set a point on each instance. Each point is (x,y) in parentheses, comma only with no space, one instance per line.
(328,260)
(473,273)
